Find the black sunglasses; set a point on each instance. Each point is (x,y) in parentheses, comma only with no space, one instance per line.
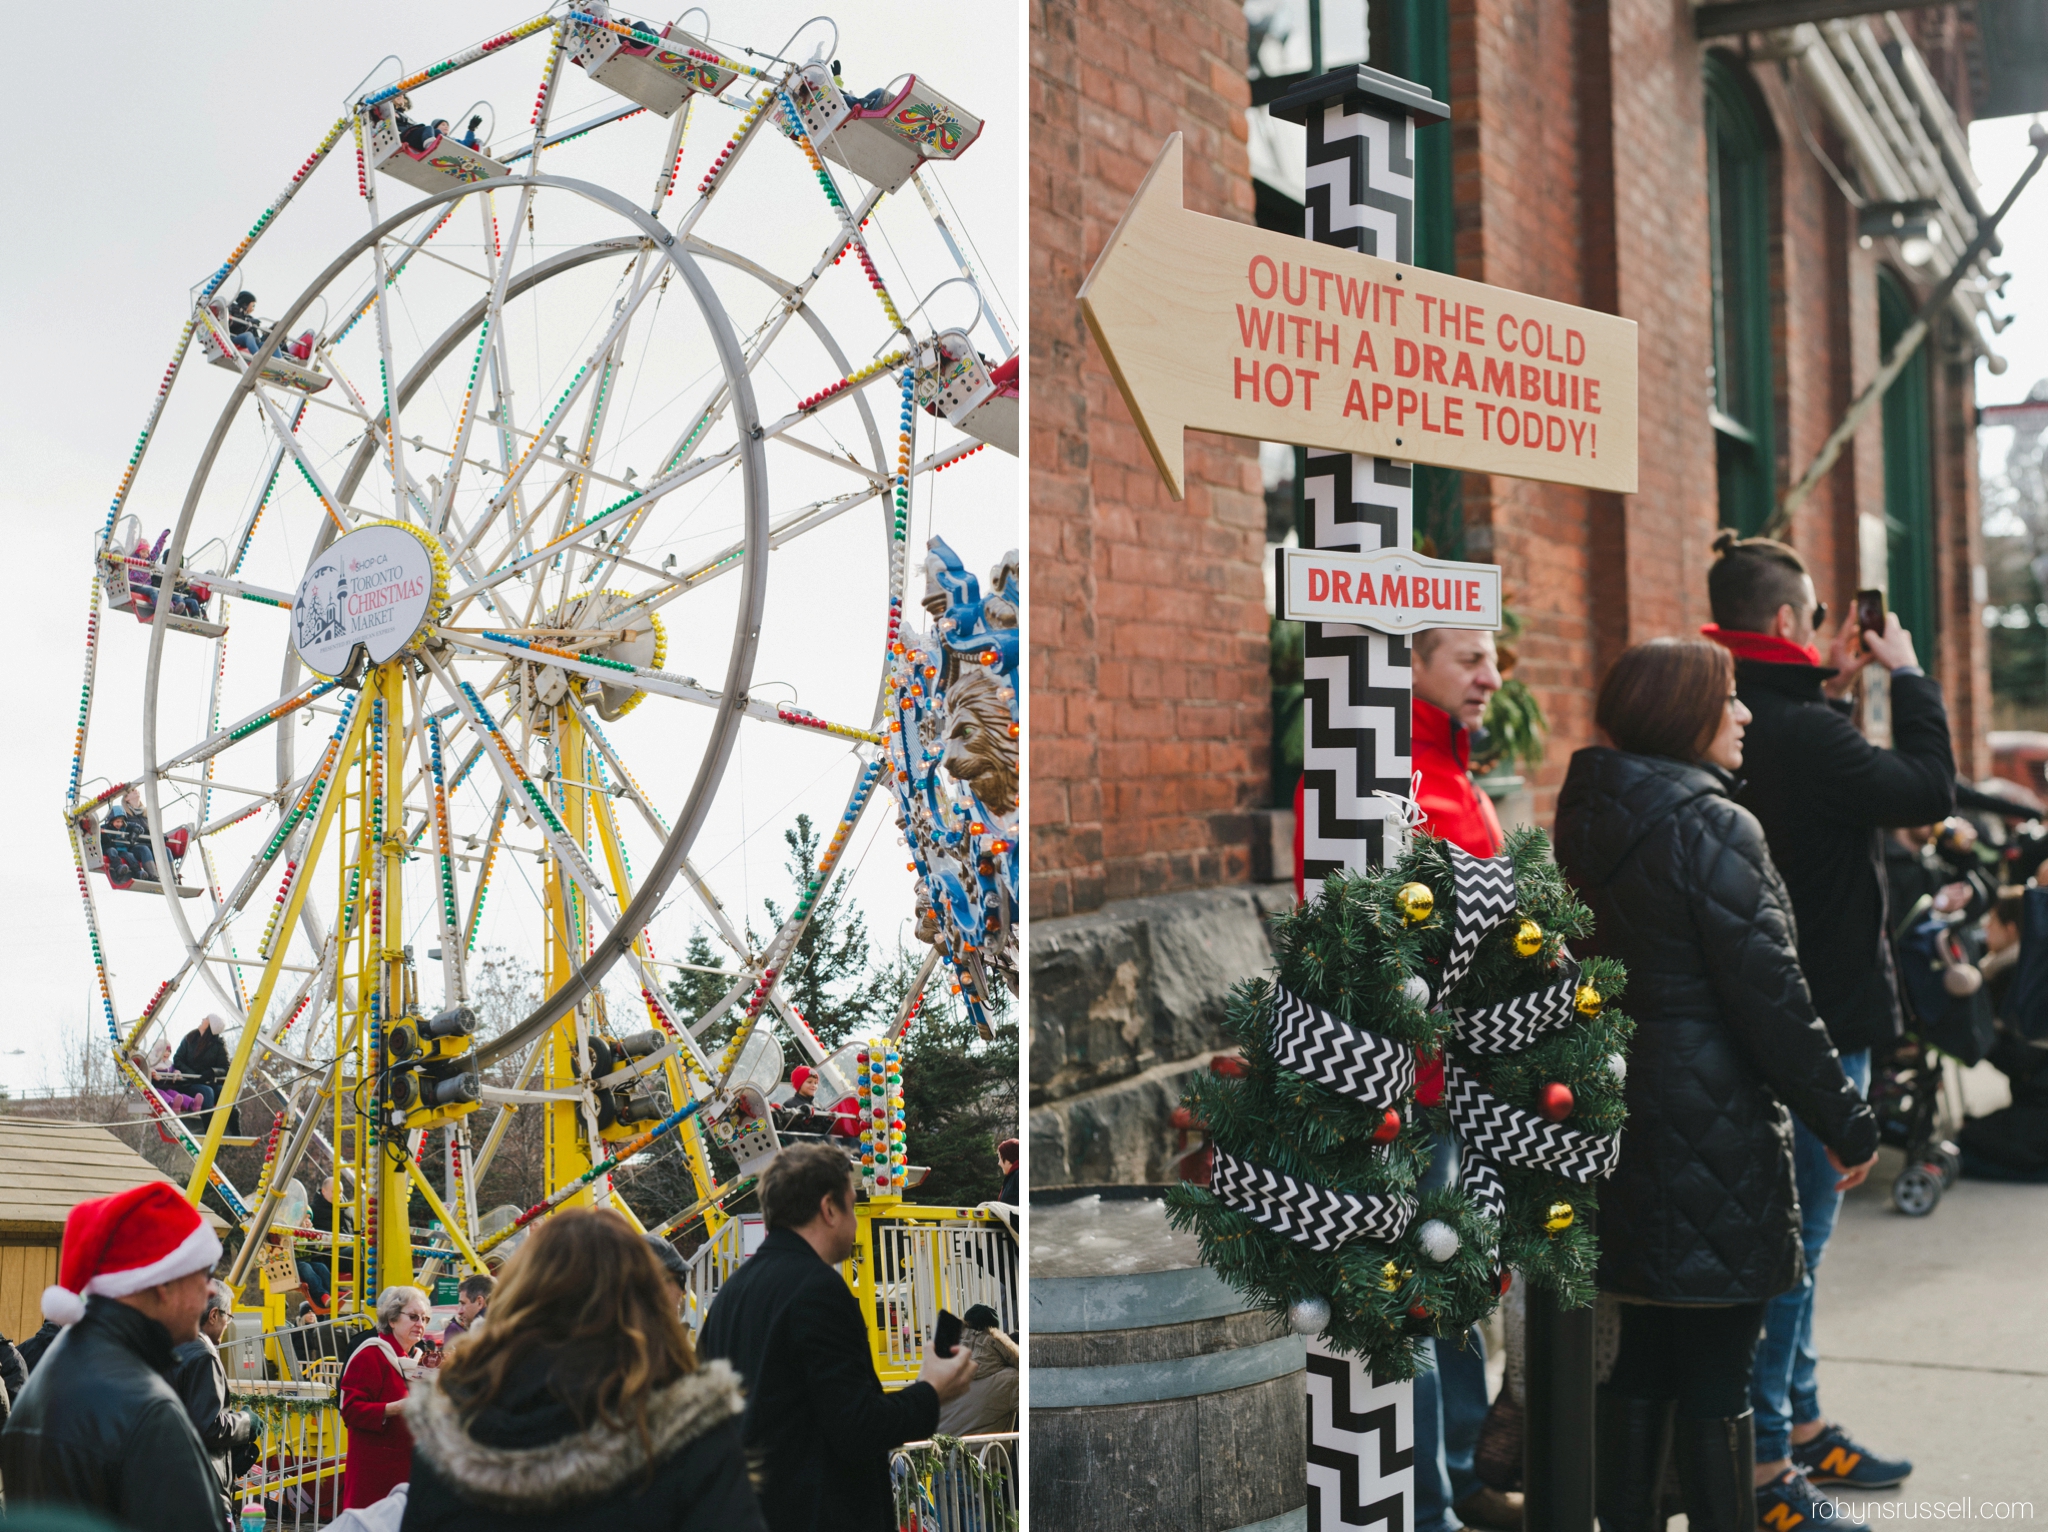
(1820,614)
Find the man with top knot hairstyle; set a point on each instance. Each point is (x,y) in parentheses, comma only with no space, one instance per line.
(99,1425)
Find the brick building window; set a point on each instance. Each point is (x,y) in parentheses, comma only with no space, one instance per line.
(1908,476)
(1739,146)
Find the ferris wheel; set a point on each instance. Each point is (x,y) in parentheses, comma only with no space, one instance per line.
(511,539)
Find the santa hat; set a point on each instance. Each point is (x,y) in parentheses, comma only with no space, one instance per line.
(121,1244)
(799,1075)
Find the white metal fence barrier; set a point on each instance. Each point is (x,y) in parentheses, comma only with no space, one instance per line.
(956,1484)
(921,1268)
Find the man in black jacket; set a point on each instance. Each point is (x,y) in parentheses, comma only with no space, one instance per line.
(202,1383)
(819,1426)
(99,1426)
(1824,795)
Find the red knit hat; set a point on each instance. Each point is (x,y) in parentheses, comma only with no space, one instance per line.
(119,1245)
(799,1075)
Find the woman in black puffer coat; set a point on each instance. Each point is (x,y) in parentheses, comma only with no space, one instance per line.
(579,1406)
(1699,1224)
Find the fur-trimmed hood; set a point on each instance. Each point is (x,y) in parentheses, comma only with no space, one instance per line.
(580,1466)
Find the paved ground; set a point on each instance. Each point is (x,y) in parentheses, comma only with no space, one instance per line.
(1933,1337)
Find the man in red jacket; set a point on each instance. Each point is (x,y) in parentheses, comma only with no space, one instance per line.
(1455,672)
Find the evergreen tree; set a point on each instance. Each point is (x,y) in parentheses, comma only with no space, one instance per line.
(1324,1205)
(826,975)
(692,992)
(959,1090)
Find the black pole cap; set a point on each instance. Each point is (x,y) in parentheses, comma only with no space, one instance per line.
(1365,84)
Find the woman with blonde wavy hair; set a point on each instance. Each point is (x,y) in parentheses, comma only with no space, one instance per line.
(581,1407)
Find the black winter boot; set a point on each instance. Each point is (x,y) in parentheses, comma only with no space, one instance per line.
(1717,1469)
(1632,1446)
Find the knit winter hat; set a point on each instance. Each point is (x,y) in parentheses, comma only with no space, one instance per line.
(119,1245)
(798,1076)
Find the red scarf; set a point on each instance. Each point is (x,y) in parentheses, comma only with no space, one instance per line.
(1765,648)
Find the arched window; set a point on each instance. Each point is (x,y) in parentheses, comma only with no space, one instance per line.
(1908,475)
(1739,146)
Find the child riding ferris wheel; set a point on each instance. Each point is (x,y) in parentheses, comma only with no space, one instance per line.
(559,432)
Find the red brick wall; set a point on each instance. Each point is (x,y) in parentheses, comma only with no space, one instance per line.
(1149,691)
(1569,195)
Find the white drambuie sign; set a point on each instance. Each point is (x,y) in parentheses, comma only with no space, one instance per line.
(1391,591)
(373,587)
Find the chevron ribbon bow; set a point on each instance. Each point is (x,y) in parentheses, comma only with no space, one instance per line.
(1509,1026)
(1490,1127)
(1484,893)
(1304,1212)
(1373,1070)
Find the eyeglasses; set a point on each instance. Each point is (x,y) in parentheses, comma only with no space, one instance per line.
(423,1319)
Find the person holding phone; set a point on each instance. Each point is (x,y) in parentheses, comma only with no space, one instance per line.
(819,1427)
(1825,795)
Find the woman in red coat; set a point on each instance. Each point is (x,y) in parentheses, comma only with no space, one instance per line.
(374,1388)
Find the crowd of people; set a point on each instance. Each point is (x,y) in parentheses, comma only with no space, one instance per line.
(567,1392)
(1757,863)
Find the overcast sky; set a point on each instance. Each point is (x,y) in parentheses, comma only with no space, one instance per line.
(152,164)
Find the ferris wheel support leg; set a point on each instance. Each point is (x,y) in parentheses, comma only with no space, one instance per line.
(280,1176)
(245,1045)
(691,1134)
(464,1200)
(571,1139)
(387,683)
(448,1224)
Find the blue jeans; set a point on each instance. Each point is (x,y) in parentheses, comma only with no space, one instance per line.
(1783,1389)
(1450,1404)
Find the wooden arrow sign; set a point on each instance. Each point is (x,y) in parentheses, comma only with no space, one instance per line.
(1211,325)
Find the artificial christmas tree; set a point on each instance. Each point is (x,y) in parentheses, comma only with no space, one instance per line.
(1432,1088)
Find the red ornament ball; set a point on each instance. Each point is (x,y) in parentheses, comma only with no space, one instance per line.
(1507,1279)
(1555,1101)
(1418,1312)
(1389,1128)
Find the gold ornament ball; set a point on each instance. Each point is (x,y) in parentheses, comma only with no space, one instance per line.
(1587,1000)
(1416,901)
(1560,1218)
(1390,1276)
(1528,938)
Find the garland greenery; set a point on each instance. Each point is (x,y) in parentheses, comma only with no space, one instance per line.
(1355,951)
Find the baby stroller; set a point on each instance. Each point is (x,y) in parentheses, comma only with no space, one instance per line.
(1947,1013)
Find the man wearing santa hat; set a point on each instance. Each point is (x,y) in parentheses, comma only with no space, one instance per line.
(99,1425)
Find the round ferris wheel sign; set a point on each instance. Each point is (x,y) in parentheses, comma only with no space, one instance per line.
(374,587)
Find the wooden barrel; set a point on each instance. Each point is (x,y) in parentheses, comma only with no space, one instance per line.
(1157,1400)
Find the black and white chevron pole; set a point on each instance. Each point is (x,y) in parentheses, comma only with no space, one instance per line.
(1356,709)
(1355,714)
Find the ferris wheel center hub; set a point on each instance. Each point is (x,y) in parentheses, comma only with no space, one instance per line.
(377,588)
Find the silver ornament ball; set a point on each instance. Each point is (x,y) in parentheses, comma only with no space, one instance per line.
(1438,1239)
(1618,1067)
(1309,1316)
(1417,989)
